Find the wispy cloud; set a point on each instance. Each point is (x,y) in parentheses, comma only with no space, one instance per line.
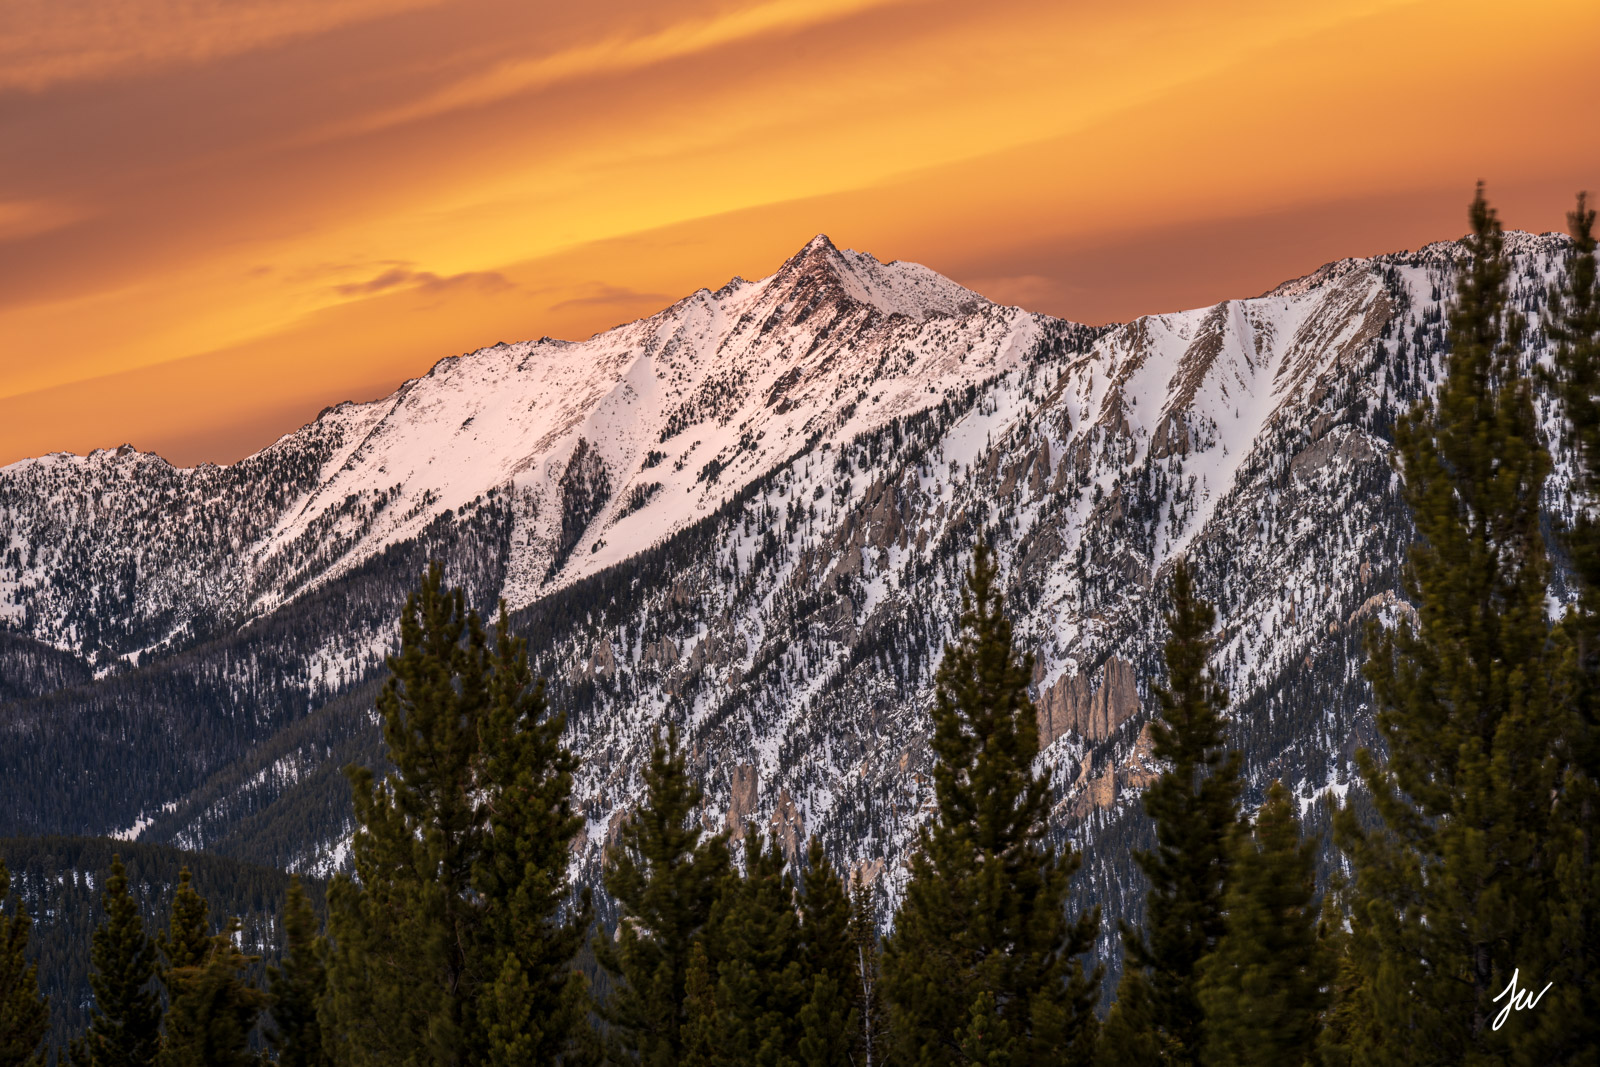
(619,55)
(425,280)
(24,218)
(602,295)
(48,42)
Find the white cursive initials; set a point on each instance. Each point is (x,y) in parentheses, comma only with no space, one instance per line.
(1520,998)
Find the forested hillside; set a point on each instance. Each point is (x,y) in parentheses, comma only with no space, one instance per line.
(60,879)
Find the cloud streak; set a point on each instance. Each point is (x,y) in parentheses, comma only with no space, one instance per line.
(400,277)
(49,42)
(599,294)
(617,55)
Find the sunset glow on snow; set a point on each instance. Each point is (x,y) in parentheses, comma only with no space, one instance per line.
(218,218)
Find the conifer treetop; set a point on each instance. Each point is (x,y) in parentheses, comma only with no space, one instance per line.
(985,726)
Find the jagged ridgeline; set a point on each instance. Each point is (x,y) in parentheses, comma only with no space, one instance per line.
(61,881)
(749,514)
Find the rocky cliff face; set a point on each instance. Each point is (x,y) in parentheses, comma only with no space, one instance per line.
(749,515)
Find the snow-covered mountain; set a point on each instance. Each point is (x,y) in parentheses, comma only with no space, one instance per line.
(749,514)
(600,447)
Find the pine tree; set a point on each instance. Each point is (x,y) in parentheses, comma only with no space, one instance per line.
(1341,1029)
(125,1028)
(1264,987)
(1574,326)
(24,1014)
(1452,890)
(665,879)
(702,1026)
(755,940)
(404,974)
(985,909)
(1157,1017)
(986,1039)
(829,1024)
(212,1006)
(450,946)
(1569,1022)
(870,1047)
(187,940)
(538,1002)
(297,986)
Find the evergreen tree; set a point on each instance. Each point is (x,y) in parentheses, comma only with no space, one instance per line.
(1574,325)
(450,946)
(829,1024)
(187,940)
(985,911)
(1264,987)
(986,1039)
(1341,1028)
(665,876)
(1452,890)
(1569,1021)
(1157,1017)
(538,1002)
(702,1026)
(405,972)
(24,1014)
(761,978)
(297,986)
(212,1006)
(869,1046)
(125,1029)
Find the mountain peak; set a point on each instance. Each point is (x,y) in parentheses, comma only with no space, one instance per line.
(817,254)
(896,288)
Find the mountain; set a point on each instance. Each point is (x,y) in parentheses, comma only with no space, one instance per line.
(597,448)
(748,514)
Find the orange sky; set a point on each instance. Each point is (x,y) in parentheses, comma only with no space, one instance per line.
(219,216)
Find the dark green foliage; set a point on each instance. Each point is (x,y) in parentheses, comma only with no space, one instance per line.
(1451,893)
(985,910)
(830,1026)
(1570,1021)
(24,1014)
(871,1044)
(702,1032)
(1575,328)
(450,948)
(125,1027)
(986,1039)
(537,1001)
(61,880)
(403,977)
(298,985)
(584,486)
(665,875)
(1157,1017)
(770,980)
(212,1007)
(187,940)
(1341,1026)
(755,945)
(1263,989)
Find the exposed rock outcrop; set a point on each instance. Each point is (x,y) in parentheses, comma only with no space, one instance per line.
(1092,714)
(742,797)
